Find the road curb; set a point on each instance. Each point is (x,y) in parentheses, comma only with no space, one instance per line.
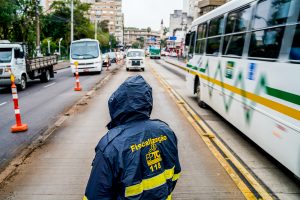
(11,169)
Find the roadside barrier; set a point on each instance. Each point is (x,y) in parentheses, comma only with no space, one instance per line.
(77,86)
(18,127)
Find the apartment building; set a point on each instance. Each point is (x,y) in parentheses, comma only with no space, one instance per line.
(110,10)
(132,35)
(101,10)
(206,6)
(47,3)
(196,8)
(179,20)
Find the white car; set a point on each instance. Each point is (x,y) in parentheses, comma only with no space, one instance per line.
(135,59)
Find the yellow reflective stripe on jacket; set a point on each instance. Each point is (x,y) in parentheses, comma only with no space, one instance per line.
(150,183)
(169,197)
(84,198)
(176,177)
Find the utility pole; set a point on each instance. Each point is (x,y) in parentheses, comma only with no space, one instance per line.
(37,18)
(72,20)
(59,42)
(96,27)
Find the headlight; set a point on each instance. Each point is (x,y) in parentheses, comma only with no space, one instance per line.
(7,69)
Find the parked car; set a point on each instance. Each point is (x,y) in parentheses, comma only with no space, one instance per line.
(164,53)
(105,60)
(173,54)
(135,59)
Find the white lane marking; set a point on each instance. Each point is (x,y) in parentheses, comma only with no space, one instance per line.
(2,104)
(49,85)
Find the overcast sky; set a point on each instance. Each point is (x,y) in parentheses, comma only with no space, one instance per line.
(145,13)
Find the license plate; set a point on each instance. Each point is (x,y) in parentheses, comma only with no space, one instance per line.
(136,63)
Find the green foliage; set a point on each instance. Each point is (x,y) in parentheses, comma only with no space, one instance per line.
(136,45)
(148,29)
(163,43)
(18,24)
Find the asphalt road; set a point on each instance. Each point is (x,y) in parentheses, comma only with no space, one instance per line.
(40,105)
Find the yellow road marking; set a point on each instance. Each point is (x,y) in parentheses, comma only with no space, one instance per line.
(291,112)
(208,137)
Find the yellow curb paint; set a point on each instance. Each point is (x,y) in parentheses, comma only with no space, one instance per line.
(187,111)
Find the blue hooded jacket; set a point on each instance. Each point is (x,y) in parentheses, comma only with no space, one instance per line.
(138,157)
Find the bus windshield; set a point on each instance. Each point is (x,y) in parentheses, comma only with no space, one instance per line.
(85,50)
(5,55)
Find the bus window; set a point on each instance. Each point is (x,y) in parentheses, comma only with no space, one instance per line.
(295,49)
(200,43)
(271,13)
(266,43)
(237,21)
(234,44)
(215,28)
(192,43)
(201,31)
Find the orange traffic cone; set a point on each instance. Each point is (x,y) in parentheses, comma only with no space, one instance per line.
(18,127)
(77,87)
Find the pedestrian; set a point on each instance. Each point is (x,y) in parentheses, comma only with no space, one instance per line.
(138,156)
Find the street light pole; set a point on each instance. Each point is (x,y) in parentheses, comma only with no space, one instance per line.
(49,47)
(59,42)
(37,18)
(96,26)
(72,20)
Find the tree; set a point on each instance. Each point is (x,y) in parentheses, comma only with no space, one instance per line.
(7,17)
(148,30)
(166,30)
(136,45)
(104,26)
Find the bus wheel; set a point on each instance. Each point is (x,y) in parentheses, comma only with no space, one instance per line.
(199,101)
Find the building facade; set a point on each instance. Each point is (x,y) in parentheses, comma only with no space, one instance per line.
(179,21)
(110,10)
(206,6)
(101,10)
(196,8)
(47,3)
(132,35)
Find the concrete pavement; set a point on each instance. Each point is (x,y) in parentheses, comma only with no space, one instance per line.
(40,105)
(61,167)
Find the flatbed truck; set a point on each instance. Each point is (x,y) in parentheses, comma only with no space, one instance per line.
(14,59)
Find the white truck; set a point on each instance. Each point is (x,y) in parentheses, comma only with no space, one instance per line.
(14,58)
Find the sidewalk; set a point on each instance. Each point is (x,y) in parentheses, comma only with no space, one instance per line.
(175,61)
(62,65)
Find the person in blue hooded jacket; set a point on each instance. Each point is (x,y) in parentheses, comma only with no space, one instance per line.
(138,157)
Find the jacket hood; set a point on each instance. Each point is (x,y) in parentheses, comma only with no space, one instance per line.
(131,101)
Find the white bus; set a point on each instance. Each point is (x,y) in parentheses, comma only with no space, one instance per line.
(244,62)
(88,55)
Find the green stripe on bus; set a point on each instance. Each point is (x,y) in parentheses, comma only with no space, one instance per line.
(286,96)
(293,98)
